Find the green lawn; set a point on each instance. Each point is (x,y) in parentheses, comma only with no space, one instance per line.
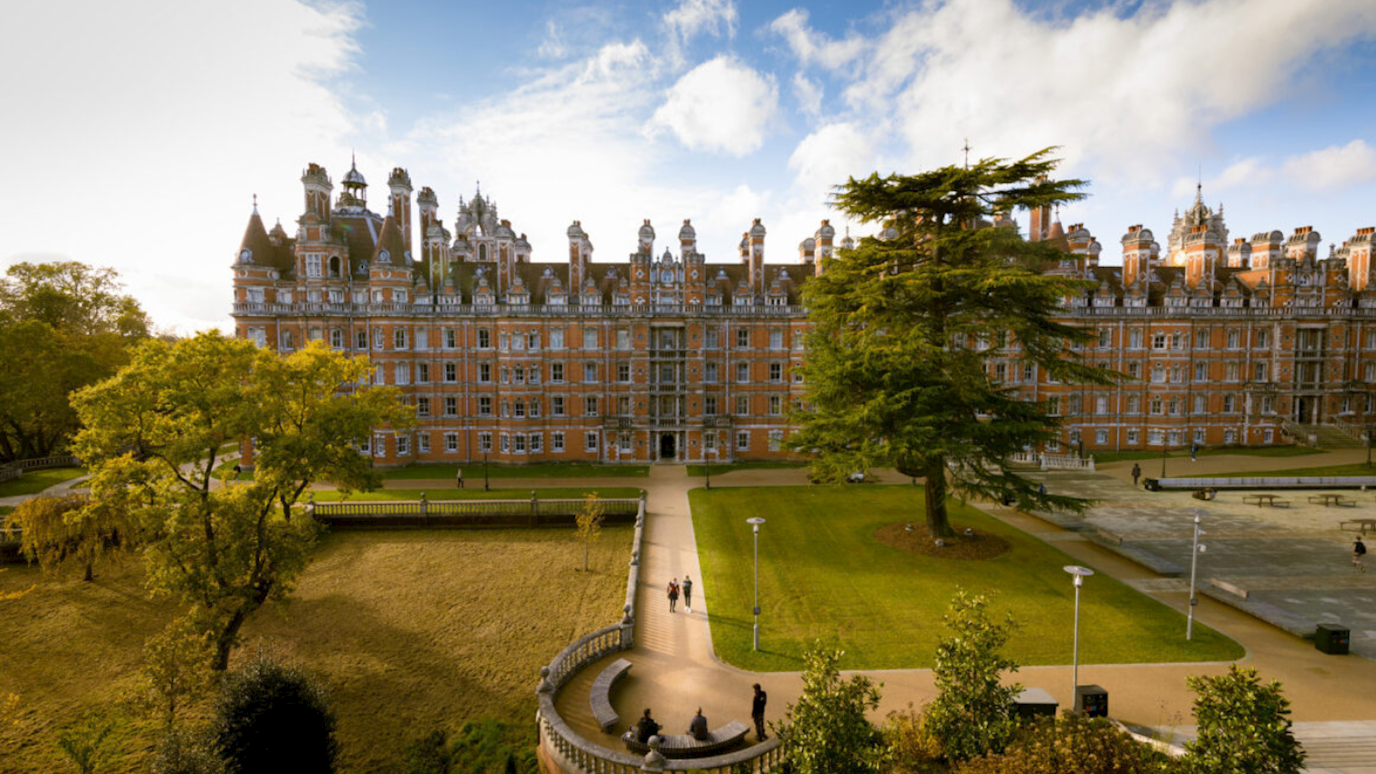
(36,481)
(701,470)
(1357,469)
(1249,451)
(474,471)
(472,493)
(823,575)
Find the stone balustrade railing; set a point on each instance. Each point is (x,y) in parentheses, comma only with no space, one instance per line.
(13,470)
(564,750)
(467,513)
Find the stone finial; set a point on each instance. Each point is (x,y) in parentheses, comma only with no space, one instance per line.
(545,685)
(654,759)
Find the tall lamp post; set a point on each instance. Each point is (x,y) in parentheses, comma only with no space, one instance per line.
(1079,574)
(707,464)
(755,522)
(1165,449)
(1194,561)
(485,487)
(1368,446)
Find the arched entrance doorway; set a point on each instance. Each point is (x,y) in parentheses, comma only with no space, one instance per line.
(666,446)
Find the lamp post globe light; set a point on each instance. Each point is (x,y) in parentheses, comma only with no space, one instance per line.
(1195,551)
(1079,574)
(755,523)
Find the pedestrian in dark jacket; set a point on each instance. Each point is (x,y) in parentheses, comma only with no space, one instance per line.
(757,712)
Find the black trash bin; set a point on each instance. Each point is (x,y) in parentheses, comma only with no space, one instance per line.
(1091,700)
(1033,703)
(1332,639)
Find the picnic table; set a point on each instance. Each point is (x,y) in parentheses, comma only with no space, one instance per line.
(1327,499)
(1265,499)
(1364,524)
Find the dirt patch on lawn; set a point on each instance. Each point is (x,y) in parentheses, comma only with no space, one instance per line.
(967,543)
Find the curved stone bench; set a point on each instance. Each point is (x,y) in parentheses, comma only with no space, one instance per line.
(685,746)
(601,696)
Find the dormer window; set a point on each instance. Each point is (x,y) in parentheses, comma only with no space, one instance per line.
(245,256)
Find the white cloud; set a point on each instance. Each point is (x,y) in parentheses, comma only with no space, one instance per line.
(691,17)
(553,45)
(831,155)
(809,94)
(721,106)
(1123,96)
(147,128)
(1333,168)
(813,47)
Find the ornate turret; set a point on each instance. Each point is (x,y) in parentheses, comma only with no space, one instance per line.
(355,193)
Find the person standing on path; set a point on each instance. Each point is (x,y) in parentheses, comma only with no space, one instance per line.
(458,479)
(673,594)
(1358,551)
(757,712)
(1136,474)
(1194,452)
(688,594)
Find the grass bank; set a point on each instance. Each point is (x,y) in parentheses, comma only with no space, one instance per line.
(36,481)
(411,631)
(824,575)
(717,470)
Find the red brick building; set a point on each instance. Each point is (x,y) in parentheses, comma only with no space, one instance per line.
(672,357)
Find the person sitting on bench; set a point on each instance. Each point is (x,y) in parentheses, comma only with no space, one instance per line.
(645,728)
(698,727)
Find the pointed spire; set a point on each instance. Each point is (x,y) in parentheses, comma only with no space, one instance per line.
(255,204)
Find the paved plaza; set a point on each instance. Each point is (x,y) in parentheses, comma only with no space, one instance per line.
(1290,566)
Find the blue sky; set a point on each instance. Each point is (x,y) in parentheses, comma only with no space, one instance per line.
(139,132)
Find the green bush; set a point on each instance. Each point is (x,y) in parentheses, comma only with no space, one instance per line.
(1070,744)
(1244,727)
(912,748)
(485,746)
(181,752)
(271,717)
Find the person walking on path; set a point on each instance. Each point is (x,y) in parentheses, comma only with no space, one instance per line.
(1359,551)
(688,594)
(673,594)
(1194,452)
(757,712)
(1136,473)
(458,479)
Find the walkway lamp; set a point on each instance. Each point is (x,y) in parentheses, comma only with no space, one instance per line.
(485,486)
(1194,561)
(1079,574)
(1165,449)
(707,464)
(755,522)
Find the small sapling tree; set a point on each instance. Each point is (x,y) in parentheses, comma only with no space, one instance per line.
(827,731)
(973,711)
(589,520)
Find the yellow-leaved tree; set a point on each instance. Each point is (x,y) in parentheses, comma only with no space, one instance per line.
(151,434)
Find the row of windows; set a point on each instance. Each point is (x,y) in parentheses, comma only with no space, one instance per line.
(448,406)
(1157,437)
(1156,404)
(448,338)
(533,443)
(427,373)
